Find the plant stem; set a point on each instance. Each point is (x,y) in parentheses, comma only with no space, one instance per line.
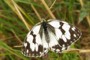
(48,9)
(36,12)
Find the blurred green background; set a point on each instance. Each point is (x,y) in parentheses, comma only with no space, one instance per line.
(17,17)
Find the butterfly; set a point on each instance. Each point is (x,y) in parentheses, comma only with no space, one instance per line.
(53,35)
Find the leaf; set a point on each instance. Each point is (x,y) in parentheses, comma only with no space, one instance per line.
(12,51)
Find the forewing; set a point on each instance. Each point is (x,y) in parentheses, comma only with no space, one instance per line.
(65,33)
(33,45)
(53,44)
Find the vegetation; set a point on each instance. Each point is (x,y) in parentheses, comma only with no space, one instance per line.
(17,17)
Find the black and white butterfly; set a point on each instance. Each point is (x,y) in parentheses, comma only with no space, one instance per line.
(48,35)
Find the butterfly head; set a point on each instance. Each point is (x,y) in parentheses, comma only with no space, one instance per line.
(44,24)
(44,20)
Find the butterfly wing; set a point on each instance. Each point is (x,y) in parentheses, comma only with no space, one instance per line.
(58,36)
(53,44)
(64,34)
(34,45)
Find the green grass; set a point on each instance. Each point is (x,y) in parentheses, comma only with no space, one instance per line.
(14,29)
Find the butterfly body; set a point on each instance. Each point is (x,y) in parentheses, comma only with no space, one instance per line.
(48,35)
(44,28)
